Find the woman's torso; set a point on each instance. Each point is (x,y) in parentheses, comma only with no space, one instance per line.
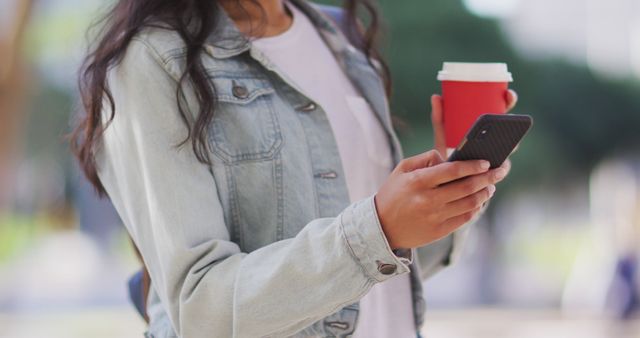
(274,156)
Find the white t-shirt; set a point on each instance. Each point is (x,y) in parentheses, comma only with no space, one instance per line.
(386,311)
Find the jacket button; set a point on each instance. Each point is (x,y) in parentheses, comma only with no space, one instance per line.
(308,107)
(240,92)
(387,269)
(330,174)
(338,325)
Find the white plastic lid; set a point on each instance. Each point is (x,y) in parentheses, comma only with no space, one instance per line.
(474,72)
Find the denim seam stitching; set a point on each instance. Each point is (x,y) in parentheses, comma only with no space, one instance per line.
(316,202)
(235,212)
(174,54)
(252,96)
(365,289)
(156,56)
(280,193)
(382,237)
(267,155)
(356,258)
(214,73)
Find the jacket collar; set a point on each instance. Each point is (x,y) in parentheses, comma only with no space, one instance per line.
(227,41)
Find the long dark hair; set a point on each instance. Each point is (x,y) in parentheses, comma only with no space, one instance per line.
(193,20)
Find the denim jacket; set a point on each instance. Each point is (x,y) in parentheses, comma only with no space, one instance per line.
(263,242)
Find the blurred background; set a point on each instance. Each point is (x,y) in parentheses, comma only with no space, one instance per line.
(556,255)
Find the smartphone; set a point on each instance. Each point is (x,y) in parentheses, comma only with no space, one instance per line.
(493,137)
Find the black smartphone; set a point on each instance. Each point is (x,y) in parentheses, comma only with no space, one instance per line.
(493,138)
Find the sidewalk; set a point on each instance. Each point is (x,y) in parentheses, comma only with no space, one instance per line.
(480,323)
(505,323)
(94,323)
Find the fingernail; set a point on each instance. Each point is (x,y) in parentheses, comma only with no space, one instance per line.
(492,190)
(485,165)
(500,174)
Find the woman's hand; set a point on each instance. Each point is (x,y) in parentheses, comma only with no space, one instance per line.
(437,119)
(425,199)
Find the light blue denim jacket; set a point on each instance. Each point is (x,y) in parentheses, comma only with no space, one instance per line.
(264,242)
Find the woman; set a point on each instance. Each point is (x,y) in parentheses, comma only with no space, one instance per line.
(284,215)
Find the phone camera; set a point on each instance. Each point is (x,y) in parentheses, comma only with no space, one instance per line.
(484,131)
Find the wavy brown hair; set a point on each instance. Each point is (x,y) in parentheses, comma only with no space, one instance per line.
(194,21)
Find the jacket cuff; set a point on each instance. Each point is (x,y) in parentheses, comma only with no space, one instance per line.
(368,244)
(405,255)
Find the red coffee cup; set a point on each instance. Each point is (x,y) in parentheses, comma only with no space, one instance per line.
(468,91)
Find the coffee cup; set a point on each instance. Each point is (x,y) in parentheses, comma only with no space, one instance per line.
(468,91)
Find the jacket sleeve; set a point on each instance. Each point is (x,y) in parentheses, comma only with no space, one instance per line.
(169,203)
(438,255)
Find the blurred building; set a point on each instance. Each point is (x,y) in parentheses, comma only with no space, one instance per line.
(609,260)
(604,34)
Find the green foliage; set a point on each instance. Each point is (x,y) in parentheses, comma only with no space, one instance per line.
(16,233)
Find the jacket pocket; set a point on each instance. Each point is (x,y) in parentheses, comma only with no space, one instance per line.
(245,125)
